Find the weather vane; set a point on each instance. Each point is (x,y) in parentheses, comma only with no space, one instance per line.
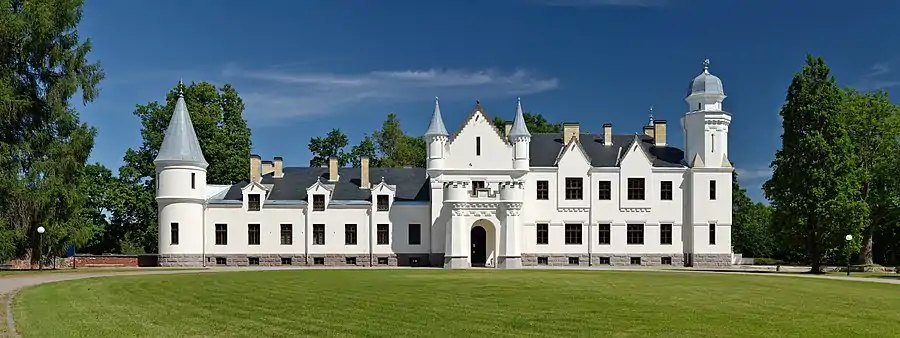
(651,114)
(180,89)
(706,63)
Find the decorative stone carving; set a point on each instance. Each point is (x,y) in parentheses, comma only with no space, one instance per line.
(634,209)
(573,209)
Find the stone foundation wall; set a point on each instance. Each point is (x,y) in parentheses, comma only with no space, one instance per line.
(711,259)
(556,259)
(344,260)
(180,260)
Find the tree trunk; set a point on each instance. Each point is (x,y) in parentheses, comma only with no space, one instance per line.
(866,253)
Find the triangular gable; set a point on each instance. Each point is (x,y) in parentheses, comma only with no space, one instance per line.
(381,186)
(477,113)
(573,146)
(635,147)
(725,162)
(254,186)
(697,162)
(319,184)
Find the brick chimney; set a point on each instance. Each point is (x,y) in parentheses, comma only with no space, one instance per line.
(506,127)
(364,172)
(333,169)
(254,167)
(659,132)
(267,168)
(279,167)
(570,131)
(607,134)
(648,130)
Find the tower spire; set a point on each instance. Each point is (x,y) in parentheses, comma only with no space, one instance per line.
(706,65)
(180,142)
(519,128)
(651,114)
(436,127)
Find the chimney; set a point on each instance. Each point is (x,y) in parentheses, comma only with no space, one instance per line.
(364,172)
(607,134)
(570,131)
(267,168)
(648,130)
(333,169)
(279,167)
(659,132)
(507,127)
(254,167)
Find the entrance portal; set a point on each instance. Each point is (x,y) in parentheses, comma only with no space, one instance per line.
(479,246)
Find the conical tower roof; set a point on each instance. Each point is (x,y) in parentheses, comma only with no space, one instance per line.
(436,127)
(519,128)
(180,144)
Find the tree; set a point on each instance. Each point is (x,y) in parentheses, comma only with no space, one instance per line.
(100,187)
(332,145)
(814,184)
(366,147)
(388,138)
(873,126)
(536,123)
(43,144)
(751,224)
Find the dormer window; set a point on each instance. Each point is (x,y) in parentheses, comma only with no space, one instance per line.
(318,202)
(382,202)
(253,202)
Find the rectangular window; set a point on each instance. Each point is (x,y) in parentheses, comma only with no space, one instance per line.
(635,189)
(349,234)
(384,234)
(221,234)
(574,188)
(543,233)
(382,202)
(221,261)
(603,260)
(543,260)
(193,181)
(350,260)
(573,260)
(665,190)
(318,202)
(712,190)
(318,234)
(287,234)
(635,261)
(605,234)
(543,190)
(318,260)
(605,191)
(712,234)
(253,234)
(253,203)
(477,185)
(665,234)
(665,260)
(415,234)
(285,261)
(173,233)
(253,260)
(382,261)
(573,233)
(478,146)
(635,234)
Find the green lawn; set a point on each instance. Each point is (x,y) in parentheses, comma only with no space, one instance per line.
(471,303)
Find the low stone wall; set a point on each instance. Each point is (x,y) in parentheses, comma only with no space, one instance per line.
(559,259)
(335,260)
(103,261)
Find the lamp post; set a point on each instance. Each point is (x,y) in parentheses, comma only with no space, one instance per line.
(848,238)
(40,247)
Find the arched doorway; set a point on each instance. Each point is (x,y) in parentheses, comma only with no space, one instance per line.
(478,254)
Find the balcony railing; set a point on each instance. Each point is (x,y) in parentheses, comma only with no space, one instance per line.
(486,193)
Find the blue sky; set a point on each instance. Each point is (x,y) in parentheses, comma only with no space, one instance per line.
(304,67)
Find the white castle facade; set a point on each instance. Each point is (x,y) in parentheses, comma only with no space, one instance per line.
(487,197)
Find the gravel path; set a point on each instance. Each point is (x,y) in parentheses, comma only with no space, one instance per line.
(10,285)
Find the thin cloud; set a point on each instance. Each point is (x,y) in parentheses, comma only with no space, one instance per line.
(880,76)
(602,3)
(756,174)
(276,94)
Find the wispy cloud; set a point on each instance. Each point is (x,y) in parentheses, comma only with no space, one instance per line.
(276,93)
(754,174)
(880,76)
(599,3)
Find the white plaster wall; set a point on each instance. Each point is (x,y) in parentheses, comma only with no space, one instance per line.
(399,218)
(189,217)
(706,211)
(175,182)
(334,219)
(495,152)
(269,220)
(573,164)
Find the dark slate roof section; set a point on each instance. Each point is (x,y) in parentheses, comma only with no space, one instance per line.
(412,184)
(545,148)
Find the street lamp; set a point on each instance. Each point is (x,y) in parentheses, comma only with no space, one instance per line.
(848,238)
(40,247)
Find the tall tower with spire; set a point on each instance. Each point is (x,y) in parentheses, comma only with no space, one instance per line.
(180,190)
(705,125)
(520,138)
(436,136)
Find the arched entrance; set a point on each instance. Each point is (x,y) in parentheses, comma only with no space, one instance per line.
(478,255)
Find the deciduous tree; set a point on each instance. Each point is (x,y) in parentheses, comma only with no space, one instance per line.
(332,145)
(536,123)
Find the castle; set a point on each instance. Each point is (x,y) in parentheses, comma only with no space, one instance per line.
(486,198)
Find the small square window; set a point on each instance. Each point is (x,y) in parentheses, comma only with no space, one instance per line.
(414,261)
(603,261)
(253,260)
(221,261)
(285,261)
(635,261)
(665,261)
(543,260)
(573,260)
(350,260)
(382,261)
(318,260)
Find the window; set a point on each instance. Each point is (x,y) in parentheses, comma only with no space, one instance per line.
(605,235)
(221,261)
(285,261)
(543,190)
(382,202)
(318,202)
(712,234)
(573,260)
(193,180)
(635,261)
(384,234)
(173,232)
(665,260)
(574,188)
(543,260)
(665,234)
(712,190)
(382,261)
(603,261)
(635,235)
(635,189)
(318,260)
(221,234)
(543,233)
(253,203)
(253,260)
(350,260)
(350,234)
(318,234)
(287,234)
(415,234)
(605,191)
(665,190)
(253,234)
(477,185)
(712,142)
(414,261)
(573,233)
(478,146)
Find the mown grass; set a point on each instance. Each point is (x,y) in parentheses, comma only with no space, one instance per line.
(471,303)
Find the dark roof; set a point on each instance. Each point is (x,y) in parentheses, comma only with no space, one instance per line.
(412,184)
(545,148)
